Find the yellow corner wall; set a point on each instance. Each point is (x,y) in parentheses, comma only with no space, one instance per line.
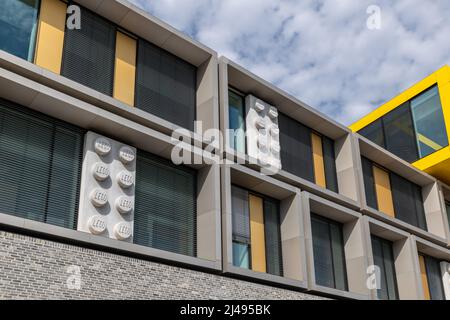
(125,69)
(258,251)
(319,167)
(50,37)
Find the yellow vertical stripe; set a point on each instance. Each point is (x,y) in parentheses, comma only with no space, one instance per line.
(257,237)
(319,167)
(125,69)
(50,38)
(383,191)
(423,273)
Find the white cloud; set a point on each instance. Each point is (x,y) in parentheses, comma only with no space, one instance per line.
(322,51)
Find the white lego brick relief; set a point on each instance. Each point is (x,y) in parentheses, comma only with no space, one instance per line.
(263,141)
(445,271)
(107,188)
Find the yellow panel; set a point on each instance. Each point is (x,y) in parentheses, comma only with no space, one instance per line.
(50,38)
(423,273)
(125,69)
(319,168)
(383,191)
(257,237)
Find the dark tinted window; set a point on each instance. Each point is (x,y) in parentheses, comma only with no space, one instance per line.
(166,85)
(296,150)
(434,278)
(399,133)
(274,261)
(41,162)
(89,53)
(165,216)
(369,183)
(384,259)
(408,203)
(328,250)
(329,160)
(374,132)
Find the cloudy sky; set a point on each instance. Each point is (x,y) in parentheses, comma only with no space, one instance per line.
(322,51)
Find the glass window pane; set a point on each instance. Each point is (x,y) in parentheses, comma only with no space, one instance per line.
(274,260)
(399,133)
(165,210)
(434,278)
(236,121)
(18,23)
(241,255)
(337,245)
(369,183)
(296,149)
(447,205)
(329,160)
(429,122)
(240,214)
(384,260)
(323,257)
(374,132)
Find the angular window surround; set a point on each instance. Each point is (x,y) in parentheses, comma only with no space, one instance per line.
(231,75)
(18,34)
(256,232)
(77,112)
(354,238)
(427,248)
(434,212)
(444,194)
(407,271)
(292,240)
(41,169)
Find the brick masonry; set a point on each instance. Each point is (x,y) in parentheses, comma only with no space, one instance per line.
(33,268)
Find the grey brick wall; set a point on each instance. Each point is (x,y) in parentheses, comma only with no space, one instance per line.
(33,268)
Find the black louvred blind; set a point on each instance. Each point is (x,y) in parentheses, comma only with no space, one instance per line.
(41,162)
(329,160)
(274,262)
(165,215)
(384,260)
(328,251)
(434,278)
(240,215)
(166,85)
(89,53)
(369,183)
(296,150)
(408,203)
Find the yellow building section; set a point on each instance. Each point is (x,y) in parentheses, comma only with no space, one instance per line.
(423,275)
(319,167)
(257,235)
(436,164)
(50,37)
(125,68)
(383,191)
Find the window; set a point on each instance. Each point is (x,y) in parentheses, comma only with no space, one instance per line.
(329,160)
(18,25)
(166,85)
(89,53)
(328,251)
(431,278)
(383,257)
(408,203)
(429,122)
(237,121)
(447,207)
(254,247)
(399,133)
(165,215)
(374,132)
(393,194)
(41,162)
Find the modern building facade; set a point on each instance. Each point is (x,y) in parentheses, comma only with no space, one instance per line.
(271,199)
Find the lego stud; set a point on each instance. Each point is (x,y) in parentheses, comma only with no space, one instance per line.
(260,124)
(97,224)
(273,112)
(275,148)
(122,230)
(126,155)
(259,107)
(124,205)
(100,171)
(125,179)
(274,131)
(99,198)
(102,146)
